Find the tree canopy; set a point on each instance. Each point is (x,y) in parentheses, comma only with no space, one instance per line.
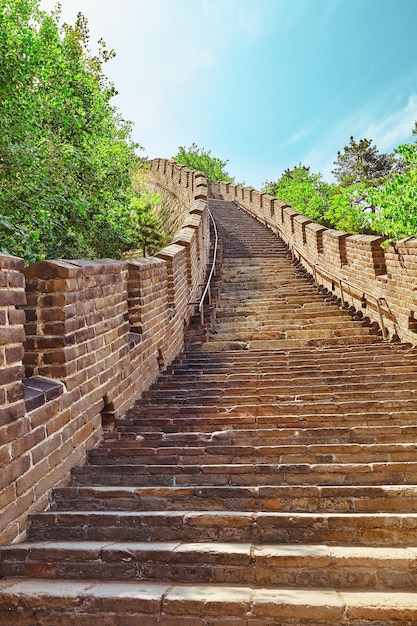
(362,163)
(374,192)
(66,154)
(201,159)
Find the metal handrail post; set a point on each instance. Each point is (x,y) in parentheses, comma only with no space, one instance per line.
(207,287)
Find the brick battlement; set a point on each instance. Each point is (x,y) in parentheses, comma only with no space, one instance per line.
(82,339)
(379,281)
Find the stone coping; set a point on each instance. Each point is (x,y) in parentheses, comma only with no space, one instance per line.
(39,390)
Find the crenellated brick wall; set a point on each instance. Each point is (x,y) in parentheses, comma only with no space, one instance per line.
(82,341)
(379,281)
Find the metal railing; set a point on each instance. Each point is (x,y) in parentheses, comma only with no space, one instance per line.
(207,289)
(345,287)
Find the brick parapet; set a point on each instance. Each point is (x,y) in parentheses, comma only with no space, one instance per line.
(358,268)
(12,296)
(104,329)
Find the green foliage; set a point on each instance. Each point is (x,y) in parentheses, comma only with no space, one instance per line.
(201,160)
(148,230)
(146,227)
(306,192)
(376,193)
(361,163)
(328,204)
(66,155)
(347,210)
(396,200)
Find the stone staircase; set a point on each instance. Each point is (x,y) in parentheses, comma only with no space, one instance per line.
(267,302)
(269,477)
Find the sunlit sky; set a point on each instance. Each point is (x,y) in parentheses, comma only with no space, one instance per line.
(266,84)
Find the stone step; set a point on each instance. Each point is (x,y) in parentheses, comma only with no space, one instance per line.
(280,309)
(381,351)
(275,371)
(187,387)
(47,602)
(340,567)
(277,396)
(283,344)
(323,373)
(247,474)
(282,333)
(290,498)
(305,405)
(268,436)
(322,386)
(363,529)
(288,325)
(218,454)
(295,295)
(197,420)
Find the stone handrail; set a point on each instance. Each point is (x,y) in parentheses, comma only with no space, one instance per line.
(90,337)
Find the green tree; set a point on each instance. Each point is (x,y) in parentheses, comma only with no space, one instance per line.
(148,229)
(329,204)
(396,199)
(305,191)
(66,154)
(201,160)
(347,210)
(361,163)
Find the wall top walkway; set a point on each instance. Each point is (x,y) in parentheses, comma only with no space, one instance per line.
(379,281)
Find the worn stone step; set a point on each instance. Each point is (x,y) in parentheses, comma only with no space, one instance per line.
(345,567)
(215,454)
(201,419)
(269,315)
(286,391)
(347,499)
(316,374)
(364,529)
(247,474)
(382,352)
(311,327)
(285,386)
(239,435)
(356,353)
(284,332)
(47,602)
(286,407)
(281,344)
(281,403)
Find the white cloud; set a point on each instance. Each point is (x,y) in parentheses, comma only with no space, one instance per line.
(387,133)
(395,128)
(296,137)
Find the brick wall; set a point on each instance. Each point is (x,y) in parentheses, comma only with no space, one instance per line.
(377,280)
(83,340)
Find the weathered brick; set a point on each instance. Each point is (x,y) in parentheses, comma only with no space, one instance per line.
(78,310)
(12,334)
(11,412)
(14,353)
(13,470)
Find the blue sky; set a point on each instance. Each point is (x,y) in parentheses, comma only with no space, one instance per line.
(266,84)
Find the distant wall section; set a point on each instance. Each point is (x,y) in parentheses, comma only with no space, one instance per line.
(379,281)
